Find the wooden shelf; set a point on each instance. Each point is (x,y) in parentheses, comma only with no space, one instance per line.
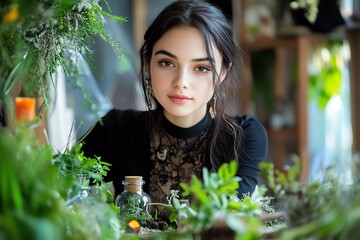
(283,143)
(298,136)
(268,43)
(353,37)
(299,40)
(282,132)
(280,42)
(291,51)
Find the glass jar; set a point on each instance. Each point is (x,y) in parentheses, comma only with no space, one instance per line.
(84,181)
(82,188)
(133,200)
(95,215)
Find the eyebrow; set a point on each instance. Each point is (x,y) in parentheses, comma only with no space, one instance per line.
(173,56)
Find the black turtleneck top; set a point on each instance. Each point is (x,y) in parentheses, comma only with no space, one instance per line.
(122,139)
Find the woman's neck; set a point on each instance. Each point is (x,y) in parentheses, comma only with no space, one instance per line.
(185,121)
(184,133)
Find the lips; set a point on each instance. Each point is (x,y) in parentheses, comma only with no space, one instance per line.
(179,99)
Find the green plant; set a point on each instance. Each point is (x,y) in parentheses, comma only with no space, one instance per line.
(133,210)
(309,6)
(26,175)
(38,36)
(325,80)
(291,196)
(214,197)
(332,209)
(279,182)
(73,162)
(31,206)
(326,209)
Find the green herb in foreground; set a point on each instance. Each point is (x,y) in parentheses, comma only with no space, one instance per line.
(73,162)
(214,198)
(31,207)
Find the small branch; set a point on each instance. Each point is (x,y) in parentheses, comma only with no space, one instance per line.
(272,216)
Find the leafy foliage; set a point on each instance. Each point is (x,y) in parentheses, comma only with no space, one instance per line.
(310,7)
(326,209)
(43,35)
(291,196)
(281,183)
(325,81)
(31,207)
(133,209)
(215,197)
(25,155)
(73,162)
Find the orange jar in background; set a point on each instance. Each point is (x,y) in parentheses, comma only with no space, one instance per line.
(25,108)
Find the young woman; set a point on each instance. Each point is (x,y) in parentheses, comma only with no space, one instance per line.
(188,61)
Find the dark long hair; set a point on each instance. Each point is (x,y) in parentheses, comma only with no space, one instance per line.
(215,28)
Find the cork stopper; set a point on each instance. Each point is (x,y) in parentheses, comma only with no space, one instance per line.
(133,178)
(133,183)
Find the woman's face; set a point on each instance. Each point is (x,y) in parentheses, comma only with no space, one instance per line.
(181,75)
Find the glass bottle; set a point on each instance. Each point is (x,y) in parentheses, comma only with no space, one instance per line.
(84,182)
(133,200)
(83,194)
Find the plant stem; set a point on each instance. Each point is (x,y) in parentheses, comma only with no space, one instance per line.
(10,81)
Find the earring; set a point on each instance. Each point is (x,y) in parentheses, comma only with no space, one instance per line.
(212,109)
(149,94)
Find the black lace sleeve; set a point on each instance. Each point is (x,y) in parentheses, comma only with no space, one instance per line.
(253,152)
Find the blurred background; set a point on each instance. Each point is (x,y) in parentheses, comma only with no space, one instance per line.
(300,77)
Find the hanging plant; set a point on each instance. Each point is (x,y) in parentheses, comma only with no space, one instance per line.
(38,36)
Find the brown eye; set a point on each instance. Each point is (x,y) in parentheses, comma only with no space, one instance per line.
(166,64)
(203,69)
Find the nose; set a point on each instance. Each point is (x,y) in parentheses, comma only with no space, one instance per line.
(181,80)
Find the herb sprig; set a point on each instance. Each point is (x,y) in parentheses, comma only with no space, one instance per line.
(39,36)
(73,162)
(215,197)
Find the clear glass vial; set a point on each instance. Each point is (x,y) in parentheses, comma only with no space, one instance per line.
(133,200)
(83,191)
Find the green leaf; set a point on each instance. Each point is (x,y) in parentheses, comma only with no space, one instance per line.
(198,190)
(173,214)
(236,206)
(228,188)
(227,170)
(294,171)
(186,188)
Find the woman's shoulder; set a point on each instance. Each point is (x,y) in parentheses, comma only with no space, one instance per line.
(129,115)
(246,120)
(255,141)
(117,123)
(251,126)
(124,120)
